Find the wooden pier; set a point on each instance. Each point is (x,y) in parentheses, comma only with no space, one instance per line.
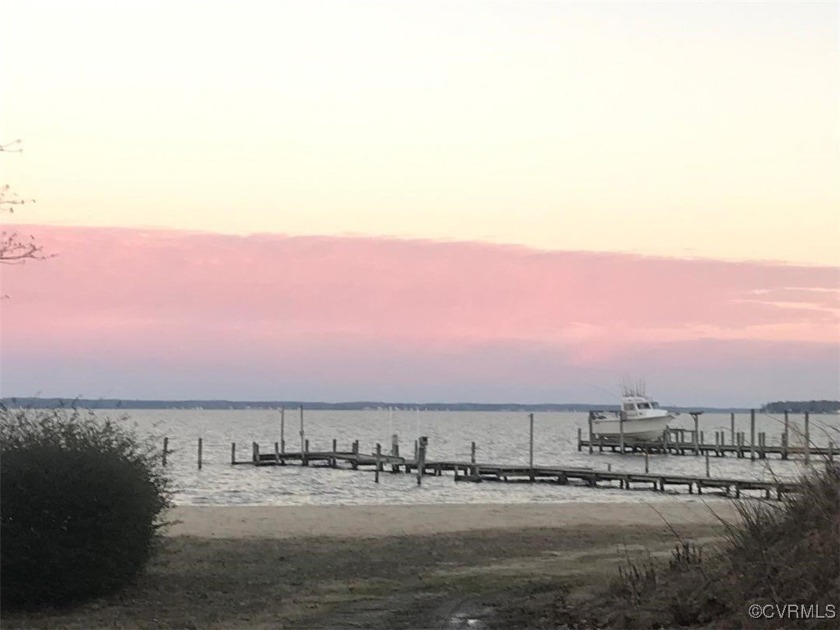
(474,471)
(689,447)
(677,441)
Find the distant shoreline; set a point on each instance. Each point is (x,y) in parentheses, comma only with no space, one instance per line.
(212,405)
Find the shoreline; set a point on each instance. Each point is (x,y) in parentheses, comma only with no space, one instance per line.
(376,521)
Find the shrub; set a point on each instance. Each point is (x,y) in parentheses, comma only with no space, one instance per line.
(791,553)
(781,553)
(81,501)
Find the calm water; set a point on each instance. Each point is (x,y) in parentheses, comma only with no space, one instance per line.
(501,437)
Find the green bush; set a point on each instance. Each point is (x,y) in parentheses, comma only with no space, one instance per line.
(81,501)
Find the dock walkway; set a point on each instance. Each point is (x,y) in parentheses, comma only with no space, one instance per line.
(473,471)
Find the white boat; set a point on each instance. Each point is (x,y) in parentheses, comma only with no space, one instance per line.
(640,418)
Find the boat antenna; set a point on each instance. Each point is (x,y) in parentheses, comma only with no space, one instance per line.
(606,391)
(633,387)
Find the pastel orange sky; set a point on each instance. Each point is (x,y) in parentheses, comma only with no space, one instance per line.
(423,200)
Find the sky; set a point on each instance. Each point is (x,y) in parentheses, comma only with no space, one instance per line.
(423,201)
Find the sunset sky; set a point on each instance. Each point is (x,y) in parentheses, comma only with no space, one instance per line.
(423,201)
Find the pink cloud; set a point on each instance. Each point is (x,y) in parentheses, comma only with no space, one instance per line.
(187,302)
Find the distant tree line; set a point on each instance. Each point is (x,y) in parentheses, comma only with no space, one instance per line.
(112,403)
(801,406)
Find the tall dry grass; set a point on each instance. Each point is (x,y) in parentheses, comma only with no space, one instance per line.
(779,552)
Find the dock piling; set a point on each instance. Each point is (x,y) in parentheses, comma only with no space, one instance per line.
(165,450)
(378,460)
(421,458)
(531,445)
(732,428)
(696,416)
(752,434)
(232,453)
(786,437)
(301,431)
(282,430)
(621,416)
(807,438)
(200,444)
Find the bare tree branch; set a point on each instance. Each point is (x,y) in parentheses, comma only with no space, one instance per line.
(15,249)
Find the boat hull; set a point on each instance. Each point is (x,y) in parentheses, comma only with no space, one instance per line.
(636,429)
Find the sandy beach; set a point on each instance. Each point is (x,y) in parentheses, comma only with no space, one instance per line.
(396,567)
(362,521)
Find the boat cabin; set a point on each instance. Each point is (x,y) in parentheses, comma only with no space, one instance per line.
(637,405)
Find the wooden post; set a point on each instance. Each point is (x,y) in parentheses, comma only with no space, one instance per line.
(696,417)
(531,446)
(276,452)
(301,432)
(732,428)
(395,445)
(378,455)
(255,452)
(421,459)
(333,460)
(647,464)
(232,453)
(282,430)
(807,438)
(416,451)
(200,444)
(621,431)
(707,465)
(752,434)
(165,450)
(355,447)
(304,457)
(580,446)
(591,433)
(472,452)
(830,451)
(785,437)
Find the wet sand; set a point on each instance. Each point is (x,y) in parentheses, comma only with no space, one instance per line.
(358,521)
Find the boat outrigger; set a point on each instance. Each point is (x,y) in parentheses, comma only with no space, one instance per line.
(640,417)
